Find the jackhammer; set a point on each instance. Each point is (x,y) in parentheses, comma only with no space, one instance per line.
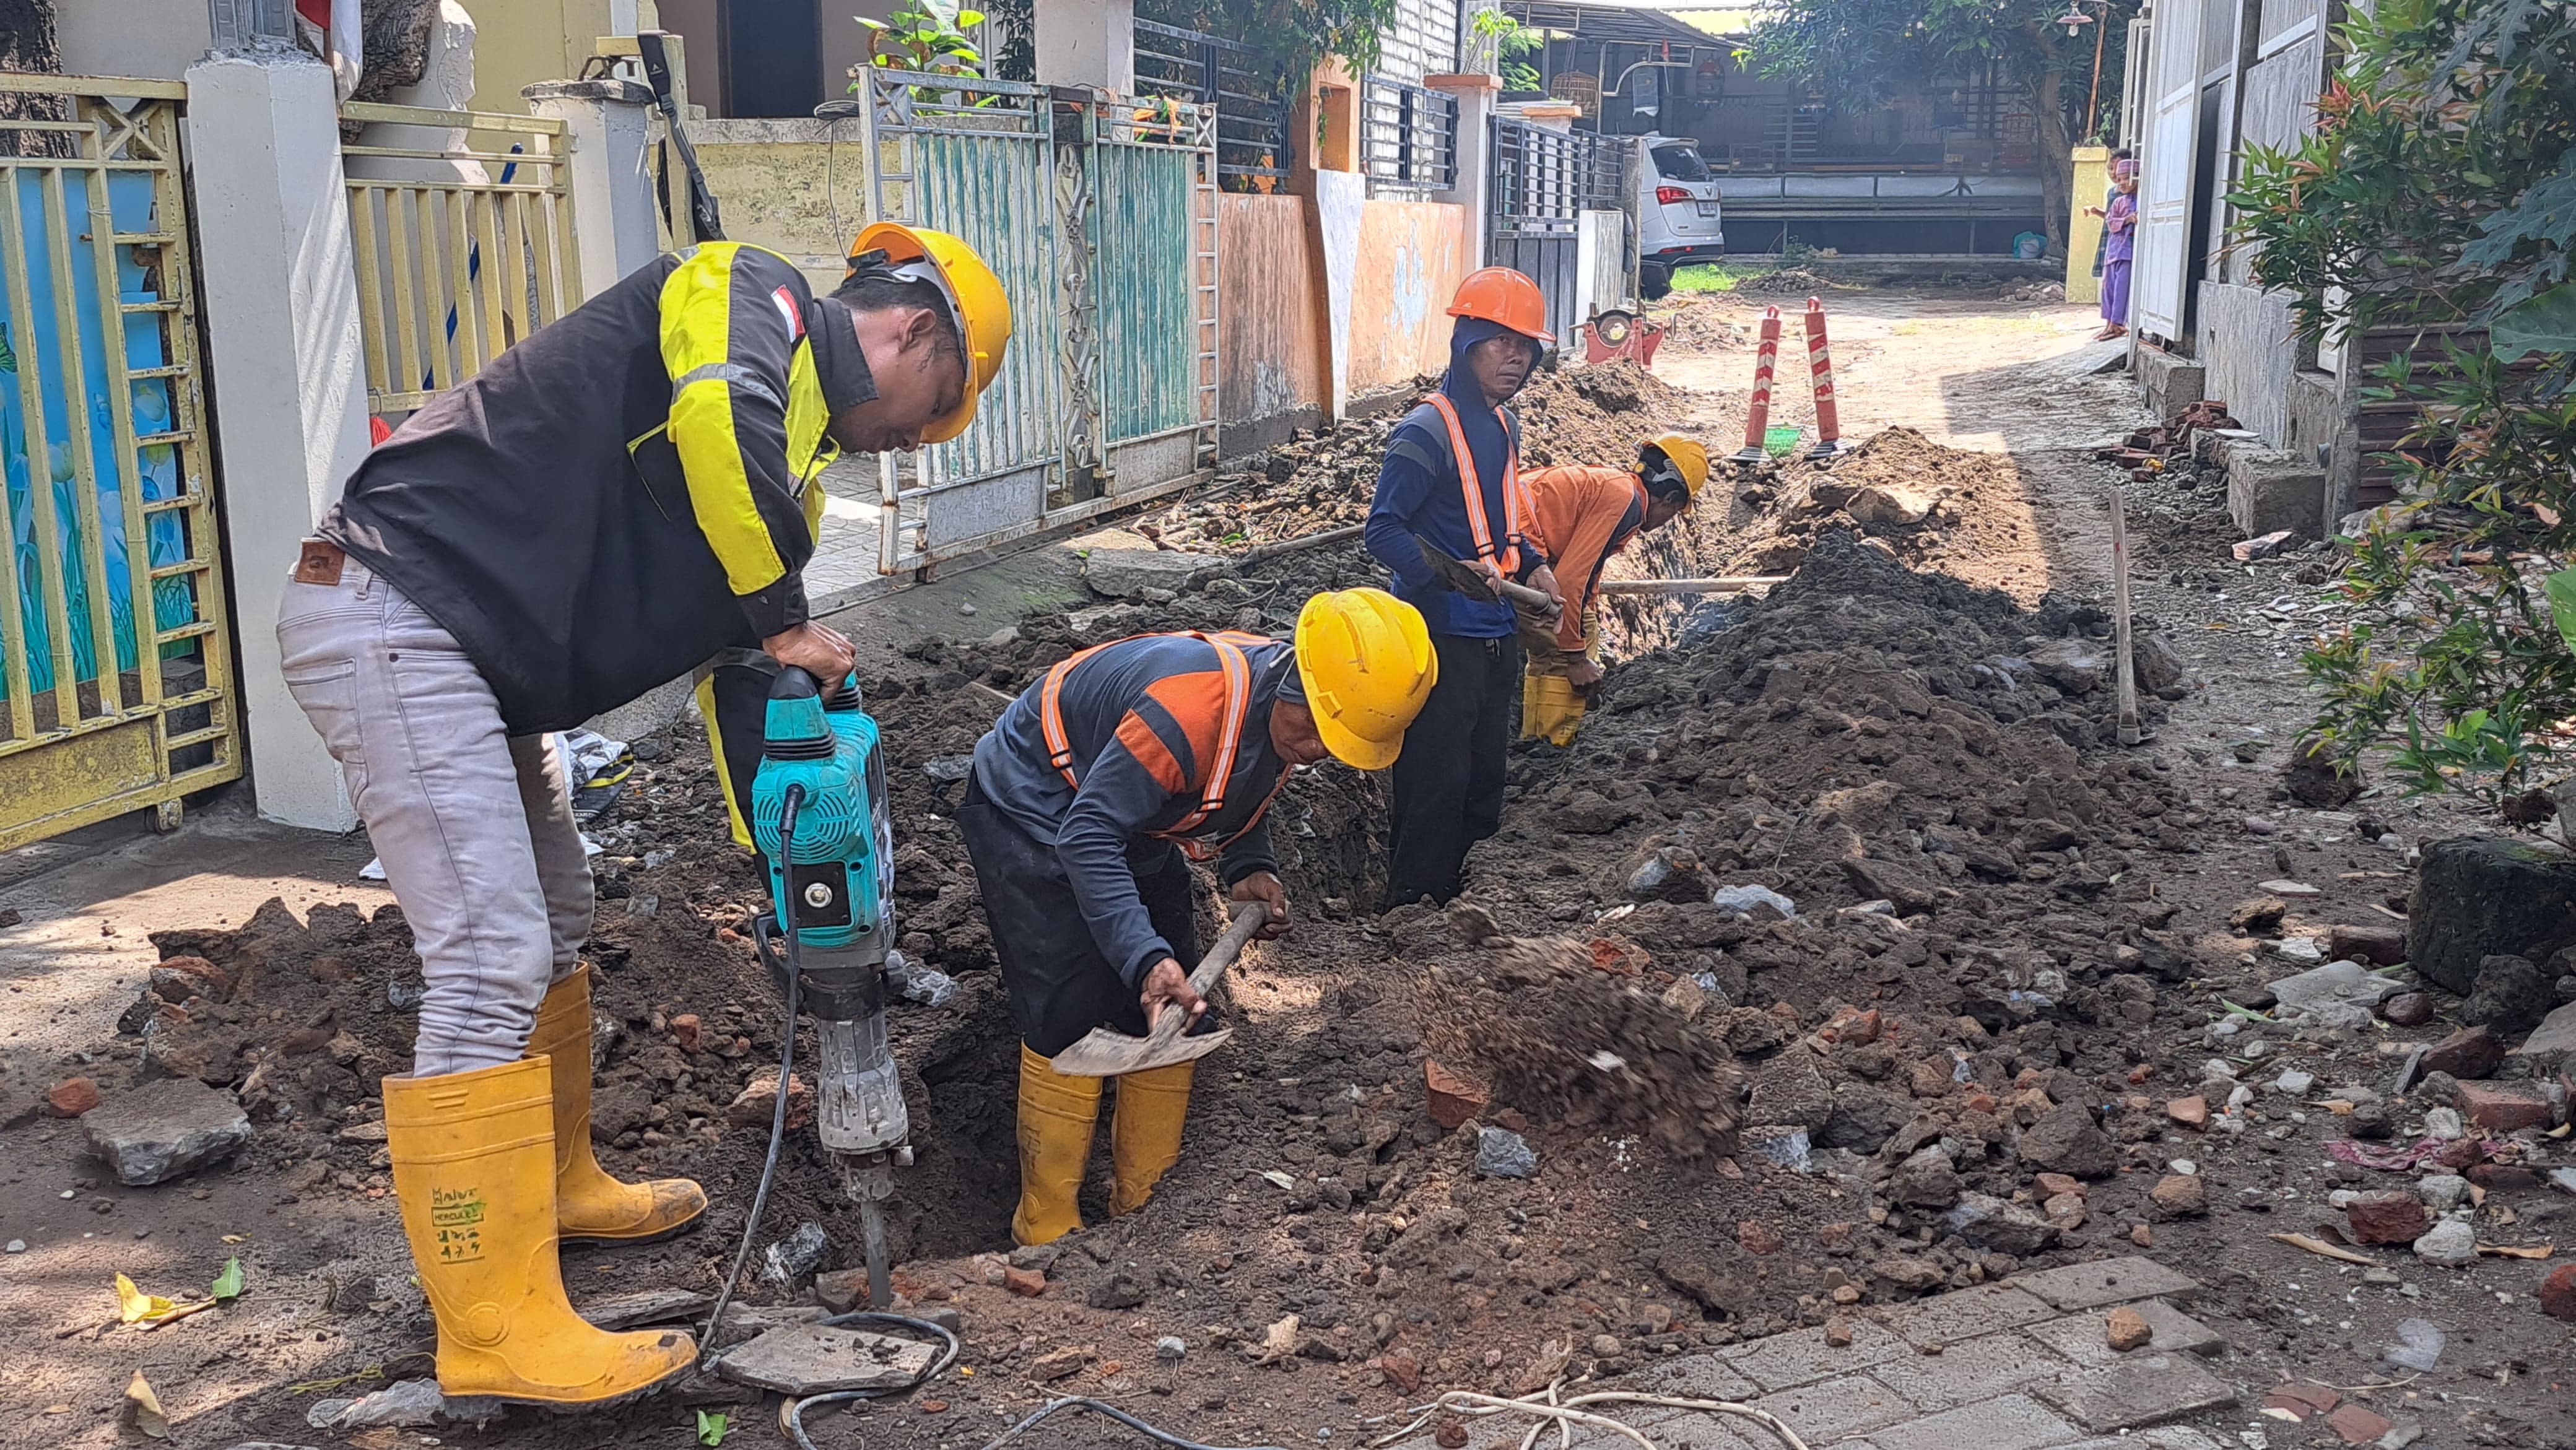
(820,817)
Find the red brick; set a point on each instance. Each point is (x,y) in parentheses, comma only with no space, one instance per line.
(72,1097)
(1757,1239)
(2558,1293)
(215,978)
(757,1105)
(2192,1113)
(2359,1424)
(2381,946)
(2392,1216)
(686,1030)
(1027,1283)
(2302,1395)
(1454,1099)
(2049,1185)
(2502,1109)
(2500,1176)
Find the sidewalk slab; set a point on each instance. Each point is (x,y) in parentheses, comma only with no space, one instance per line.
(1785,1361)
(2110,1281)
(1970,1371)
(2012,1422)
(1828,1413)
(1967,1314)
(2147,1389)
(2084,1338)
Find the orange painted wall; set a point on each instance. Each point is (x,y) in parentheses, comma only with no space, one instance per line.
(1412,255)
(1269,359)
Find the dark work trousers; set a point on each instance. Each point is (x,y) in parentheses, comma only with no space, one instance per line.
(1449,780)
(1061,986)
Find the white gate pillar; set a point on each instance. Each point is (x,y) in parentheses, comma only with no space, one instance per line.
(1476,94)
(1087,43)
(613,218)
(280,316)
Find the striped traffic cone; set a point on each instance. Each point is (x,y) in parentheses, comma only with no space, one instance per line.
(1765,362)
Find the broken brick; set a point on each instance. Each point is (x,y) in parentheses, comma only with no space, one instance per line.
(2501,1109)
(2050,1185)
(757,1104)
(1757,1239)
(1027,1283)
(1454,1099)
(2359,1424)
(2127,1329)
(2381,946)
(2471,1052)
(2180,1195)
(686,1031)
(2558,1293)
(2192,1113)
(216,980)
(72,1097)
(2391,1216)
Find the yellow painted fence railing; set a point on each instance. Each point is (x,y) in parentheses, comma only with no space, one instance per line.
(462,225)
(116,678)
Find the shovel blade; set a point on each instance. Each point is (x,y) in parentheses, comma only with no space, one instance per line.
(1104,1053)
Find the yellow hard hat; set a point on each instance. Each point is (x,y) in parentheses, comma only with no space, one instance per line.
(974,293)
(1365,658)
(1687,455)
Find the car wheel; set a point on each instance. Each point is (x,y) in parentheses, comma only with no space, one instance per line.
(1654,280)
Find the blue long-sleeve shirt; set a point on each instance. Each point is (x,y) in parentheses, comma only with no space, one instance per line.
(1418,492)
(1144,719)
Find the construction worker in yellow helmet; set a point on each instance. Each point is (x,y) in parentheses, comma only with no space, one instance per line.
(624,495)
(1586,514)
(1088,802)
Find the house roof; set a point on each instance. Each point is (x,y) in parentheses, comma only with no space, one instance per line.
(1617,22)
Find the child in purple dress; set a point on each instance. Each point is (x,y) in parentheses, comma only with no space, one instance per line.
(2119,246)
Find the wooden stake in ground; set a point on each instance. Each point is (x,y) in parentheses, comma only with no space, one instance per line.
(2126,663)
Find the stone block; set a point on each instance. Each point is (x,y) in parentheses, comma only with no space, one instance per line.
(2013,1422)
(1836,1409)
(164,1129)
(2488,896)
(2499,1108)
(2170,381)
(2078,1287)
(1698,1377)
(2553,1044)
(2268,490)
(2142,1389)
(1128,573)
(1785,1361)
(1973,1370)
(807,1359)
(1967,1314)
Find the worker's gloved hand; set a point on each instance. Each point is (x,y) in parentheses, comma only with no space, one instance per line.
(1168,987)
(1265,888)
(1584,675)
(817,649)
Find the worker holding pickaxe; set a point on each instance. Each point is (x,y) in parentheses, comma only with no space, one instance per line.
(1088,801)
(620,498)
(1451,484)
(1588,513)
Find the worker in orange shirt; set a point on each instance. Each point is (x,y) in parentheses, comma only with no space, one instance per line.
(1586,514)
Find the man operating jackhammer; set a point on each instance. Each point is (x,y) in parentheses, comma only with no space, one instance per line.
(1079,796)
(1587,514)
(1451,482)
(607,506)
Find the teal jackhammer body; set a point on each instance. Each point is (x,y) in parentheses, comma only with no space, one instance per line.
(831,887)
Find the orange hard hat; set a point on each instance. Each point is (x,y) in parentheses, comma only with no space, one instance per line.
(1501,295)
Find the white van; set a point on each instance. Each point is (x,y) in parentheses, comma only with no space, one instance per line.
(1677,211)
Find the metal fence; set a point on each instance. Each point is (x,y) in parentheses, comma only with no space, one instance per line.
(1543,181)
(1100,220)
(1408,136)
(463,228)
(1254,139)
(116,679)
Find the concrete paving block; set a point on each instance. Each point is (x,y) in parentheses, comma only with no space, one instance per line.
(2144,1389)
(1698,1377)
(2163,1437)
(2083,1339)
(806,1359)
(2107,1282)
(1970,1371)
(2013,1422)
(1967,1314)
(1784,1361)
(1839,1408)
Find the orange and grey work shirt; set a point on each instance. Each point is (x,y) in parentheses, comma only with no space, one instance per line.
(1124,775)
(1587,514)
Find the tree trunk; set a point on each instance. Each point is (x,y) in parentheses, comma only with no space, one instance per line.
(27,43)
(2056,157)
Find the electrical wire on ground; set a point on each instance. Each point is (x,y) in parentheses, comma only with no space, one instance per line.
(1101,1407)
(791,1414)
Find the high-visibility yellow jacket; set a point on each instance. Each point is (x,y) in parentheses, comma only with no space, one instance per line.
(623,493)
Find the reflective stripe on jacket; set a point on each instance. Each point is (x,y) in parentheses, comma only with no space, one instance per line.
(1140,723)
(625,492)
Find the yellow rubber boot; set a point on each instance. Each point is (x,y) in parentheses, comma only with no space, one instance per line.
(590,1206)
(474,1175)
(1145,1132)
(1056,1115)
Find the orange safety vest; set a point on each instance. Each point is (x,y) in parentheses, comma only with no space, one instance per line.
(1238,700)
(1516,510)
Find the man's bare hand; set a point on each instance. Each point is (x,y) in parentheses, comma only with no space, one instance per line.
(1265,888)
(819,650)
(1583,674)
(1168,986)
(1543,579)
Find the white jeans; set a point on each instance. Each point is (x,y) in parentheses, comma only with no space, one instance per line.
(474,825)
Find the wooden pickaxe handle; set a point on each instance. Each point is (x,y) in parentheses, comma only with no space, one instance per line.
(1171,1022)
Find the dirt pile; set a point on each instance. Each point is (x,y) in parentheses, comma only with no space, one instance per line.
(1699,325)
(1788,282)
(1324,481)
(1965,513)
